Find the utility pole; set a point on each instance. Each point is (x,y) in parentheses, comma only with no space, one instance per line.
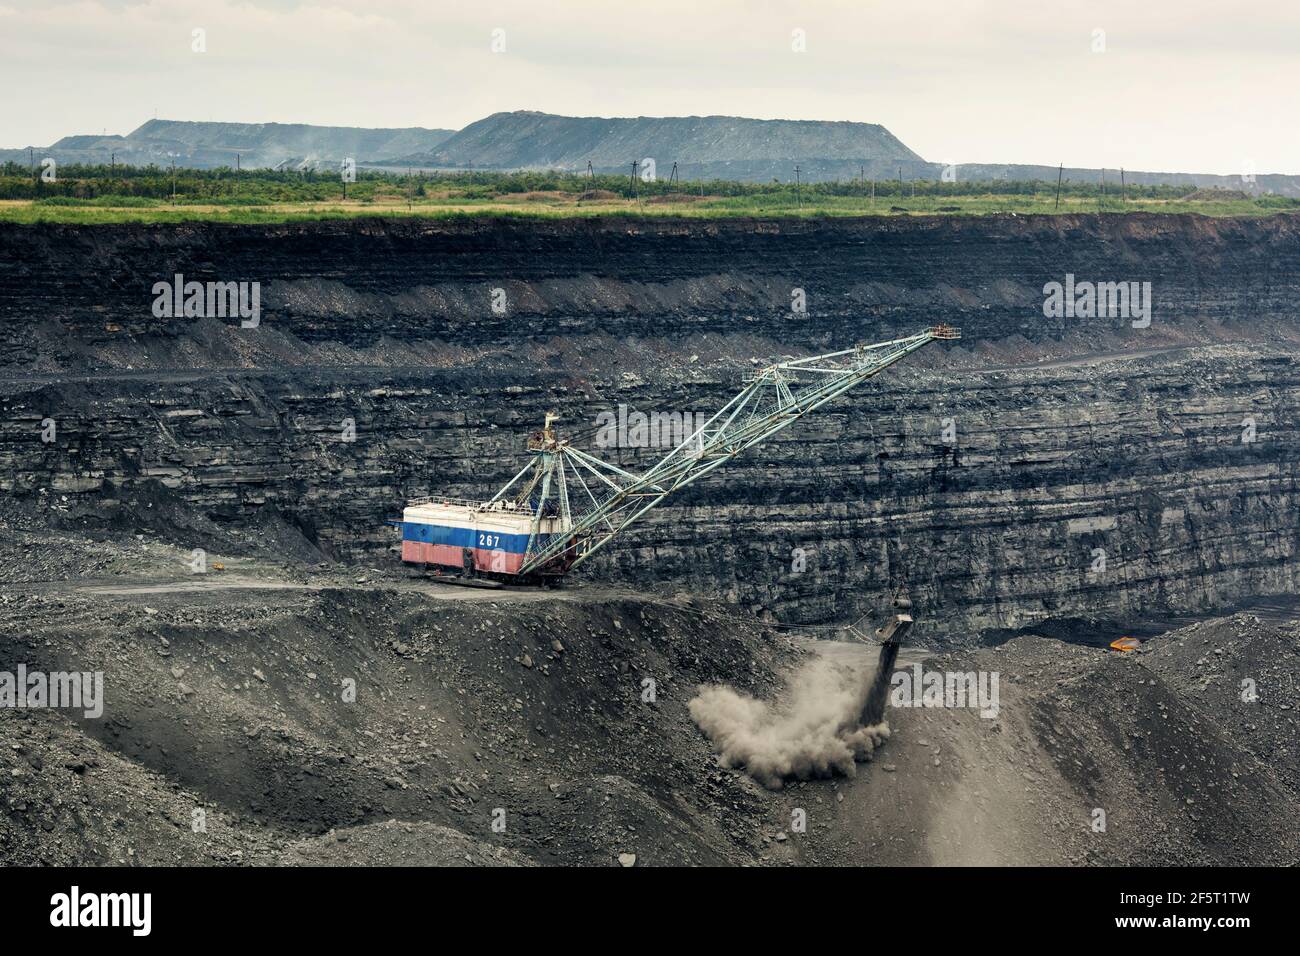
(236,162)
(1059,173)
(173,180)
(636,193)
(798,190)
(591,183)
(1101,201)
(1123,187)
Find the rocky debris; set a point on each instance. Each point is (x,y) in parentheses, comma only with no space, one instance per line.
(1244,675)
(398,843)
(1093,758)
(450,752)
(263,736)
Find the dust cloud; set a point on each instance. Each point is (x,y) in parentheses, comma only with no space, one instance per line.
(815,732)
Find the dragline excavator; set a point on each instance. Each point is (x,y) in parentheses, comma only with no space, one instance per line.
(566,504)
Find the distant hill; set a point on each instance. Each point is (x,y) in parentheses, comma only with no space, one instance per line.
(90,142)
(703,147)
(265,145)
(723,146)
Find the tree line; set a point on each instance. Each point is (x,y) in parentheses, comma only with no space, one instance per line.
(77,183)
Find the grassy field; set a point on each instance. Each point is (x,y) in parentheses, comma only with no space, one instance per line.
(30,211)
(98,194)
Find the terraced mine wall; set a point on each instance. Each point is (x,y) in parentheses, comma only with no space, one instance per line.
(1041,467)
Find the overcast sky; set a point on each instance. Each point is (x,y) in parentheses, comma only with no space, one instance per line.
(1191,85)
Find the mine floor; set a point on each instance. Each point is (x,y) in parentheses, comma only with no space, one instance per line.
(225,695)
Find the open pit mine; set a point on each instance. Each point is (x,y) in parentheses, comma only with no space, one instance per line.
(407,542)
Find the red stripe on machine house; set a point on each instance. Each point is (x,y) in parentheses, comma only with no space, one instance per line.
(421,552)
(485,559)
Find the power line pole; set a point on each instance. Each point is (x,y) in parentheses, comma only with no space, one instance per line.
(1059,173)
(590,177)
(636,193)
(798,187)
(1123,187)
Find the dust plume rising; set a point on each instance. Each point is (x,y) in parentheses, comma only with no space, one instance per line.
(815,732)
